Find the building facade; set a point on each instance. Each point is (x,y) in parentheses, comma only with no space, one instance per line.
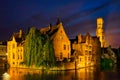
(60,40)
(15,49)
(84,50)
(3,49)
(100,31)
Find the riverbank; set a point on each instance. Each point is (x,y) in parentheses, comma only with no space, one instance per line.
(59,67)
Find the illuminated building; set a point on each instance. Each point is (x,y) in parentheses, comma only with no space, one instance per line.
(61,42)
(100,31)
(86,50)
(3,50)
(15,49)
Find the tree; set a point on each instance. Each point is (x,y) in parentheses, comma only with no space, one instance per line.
(38,49)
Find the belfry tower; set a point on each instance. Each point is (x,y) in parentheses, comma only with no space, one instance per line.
(100,31)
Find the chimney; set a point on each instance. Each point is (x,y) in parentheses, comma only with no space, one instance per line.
(20,33)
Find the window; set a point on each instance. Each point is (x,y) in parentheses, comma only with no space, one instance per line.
(13,45)
(21,56)
(90,47)
(61,55)
(18,56)
(64,47)
(13,56)
(90,52)
(86,52)
(86,46)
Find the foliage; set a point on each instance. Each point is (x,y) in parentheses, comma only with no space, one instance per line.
(118,53)
(38,49)
(106,64)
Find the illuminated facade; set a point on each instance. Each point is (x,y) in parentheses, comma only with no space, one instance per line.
(61,42)
(100,31)
(84,50)
(15,49)
(3,49)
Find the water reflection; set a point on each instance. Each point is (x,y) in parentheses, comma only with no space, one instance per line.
(90,73)
(31,74)
(6,76)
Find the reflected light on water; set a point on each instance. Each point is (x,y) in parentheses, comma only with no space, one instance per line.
(6,76)
(89,73)
(32,74)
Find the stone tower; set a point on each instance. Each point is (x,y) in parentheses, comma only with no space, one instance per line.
(100,31)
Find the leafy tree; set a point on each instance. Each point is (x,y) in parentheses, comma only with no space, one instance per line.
(38,49)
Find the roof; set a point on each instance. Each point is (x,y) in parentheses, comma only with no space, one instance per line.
(19,36)
(3,43)
(51,30)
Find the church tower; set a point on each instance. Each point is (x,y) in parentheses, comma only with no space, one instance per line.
(100,31)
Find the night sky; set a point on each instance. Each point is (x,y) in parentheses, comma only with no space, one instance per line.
(77,16)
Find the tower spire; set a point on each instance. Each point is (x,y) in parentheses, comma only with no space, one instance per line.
(100,31)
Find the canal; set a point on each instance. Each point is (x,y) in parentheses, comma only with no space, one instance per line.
(89,73)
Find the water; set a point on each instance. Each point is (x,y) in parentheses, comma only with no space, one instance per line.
(90,73)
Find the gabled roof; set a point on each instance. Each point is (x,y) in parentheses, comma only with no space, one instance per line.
(19,36)
(51,30)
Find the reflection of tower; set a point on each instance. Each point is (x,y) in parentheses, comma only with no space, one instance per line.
(100,31)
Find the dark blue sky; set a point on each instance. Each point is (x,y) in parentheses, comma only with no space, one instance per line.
(78,16)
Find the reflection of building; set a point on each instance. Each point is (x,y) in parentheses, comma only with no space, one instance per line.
(100,31)
(15,49)
(61,42)
(86,49)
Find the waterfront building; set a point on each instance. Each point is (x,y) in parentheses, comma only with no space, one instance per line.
(3,53)
(86,50)
(15,49)
(3,50)
(60,40)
